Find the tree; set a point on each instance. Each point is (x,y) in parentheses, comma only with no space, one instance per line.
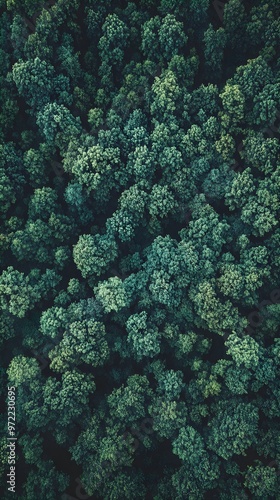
(111,294)
(238,381)
(251,78)
(82,342)
(92,254)
(233,20)
(233,106)
(68,397)
(32,448)
(143,341)
(166,95)
(167,271)
(42,203)
(171,36)
(245,351)
(260,212)
(185,69)
(261,481)
(262,15)
(37,82)
(30,6)
(54,120)
(7,192)
(45,479)
(198,472)
(215,42)
(127,403)
(243,183)
(168,417)
(198,12)
(141,165)
(94,168)
(113,41)
(129,484)
(150,39)
(22,369)
(125,220)
(33,242)
(35,162)
(260,152)
(266,104)
(11,175)
(233,429)
(19,292)
(69,59)
(162,201)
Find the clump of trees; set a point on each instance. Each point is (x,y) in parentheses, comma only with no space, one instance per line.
(139,212)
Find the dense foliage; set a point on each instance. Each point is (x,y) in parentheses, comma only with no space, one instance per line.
(140,202)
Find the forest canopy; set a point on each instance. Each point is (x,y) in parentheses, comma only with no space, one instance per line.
(140,261)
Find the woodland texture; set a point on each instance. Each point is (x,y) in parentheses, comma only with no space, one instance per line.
(140,245)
